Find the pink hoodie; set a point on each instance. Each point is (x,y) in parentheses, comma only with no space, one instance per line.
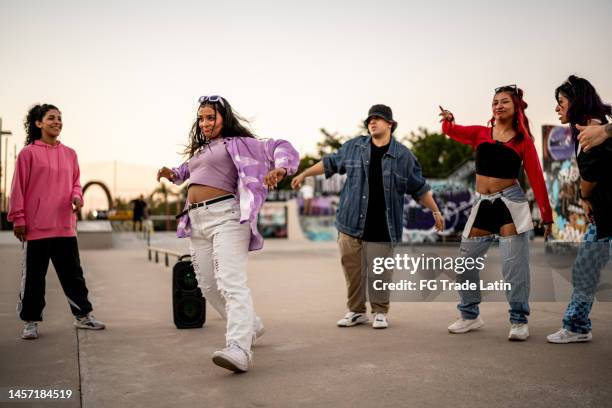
(46,180)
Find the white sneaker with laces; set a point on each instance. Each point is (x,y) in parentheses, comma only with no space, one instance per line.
(380,321)
(30,331)
(564,336)
(352,319)
(233,358)
(519,332)
(465,325)
(88,322)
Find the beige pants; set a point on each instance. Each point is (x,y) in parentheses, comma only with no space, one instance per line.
(358,279)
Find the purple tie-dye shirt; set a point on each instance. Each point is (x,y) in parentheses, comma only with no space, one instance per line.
(253,158)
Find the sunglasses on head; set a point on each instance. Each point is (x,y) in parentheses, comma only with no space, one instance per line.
(212,99)
(507,88)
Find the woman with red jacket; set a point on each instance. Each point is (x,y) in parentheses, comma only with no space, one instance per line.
(501,207)
(45,193)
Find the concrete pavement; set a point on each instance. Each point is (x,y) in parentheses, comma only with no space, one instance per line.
(303,360)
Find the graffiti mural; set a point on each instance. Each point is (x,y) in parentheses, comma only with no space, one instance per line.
(562,180)
(455,202)
(319,227)
(272,221)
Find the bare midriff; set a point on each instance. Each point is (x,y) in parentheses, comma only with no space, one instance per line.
(198,192)
(492,185)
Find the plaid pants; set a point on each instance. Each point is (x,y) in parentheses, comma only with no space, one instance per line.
(593,254)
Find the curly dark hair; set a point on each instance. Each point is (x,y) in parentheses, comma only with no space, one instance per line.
(232,126)
(36,113)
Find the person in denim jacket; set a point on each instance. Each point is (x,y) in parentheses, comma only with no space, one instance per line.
(380,172)
(229,172)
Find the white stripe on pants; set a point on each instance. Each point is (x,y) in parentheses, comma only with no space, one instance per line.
(23,277)
(219,250)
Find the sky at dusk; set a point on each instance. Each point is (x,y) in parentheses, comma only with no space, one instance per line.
(127,75)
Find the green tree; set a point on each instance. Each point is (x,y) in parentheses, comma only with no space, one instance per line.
(437,154)
(121,204)
(331,142)
(305,162)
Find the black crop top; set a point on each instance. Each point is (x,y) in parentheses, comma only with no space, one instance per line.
(497,160)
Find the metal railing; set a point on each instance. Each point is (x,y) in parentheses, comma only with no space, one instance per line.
(154,252)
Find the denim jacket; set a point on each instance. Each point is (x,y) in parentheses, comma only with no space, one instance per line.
(401,174)
(253,158)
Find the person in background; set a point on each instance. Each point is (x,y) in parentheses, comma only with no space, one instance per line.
(139,212)
(307,193)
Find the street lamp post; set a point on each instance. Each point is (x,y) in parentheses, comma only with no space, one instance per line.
(3,194)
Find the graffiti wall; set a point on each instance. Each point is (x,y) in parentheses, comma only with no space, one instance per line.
(455,202)
(319,227)
(562,180)
(272,221)
(318,222)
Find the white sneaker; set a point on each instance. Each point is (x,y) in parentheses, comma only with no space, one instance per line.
(352,319)
(564,336)
(519,332)
(380,321)
(258,330)
(30,331)
(233,358)
(465,325)
(88,322)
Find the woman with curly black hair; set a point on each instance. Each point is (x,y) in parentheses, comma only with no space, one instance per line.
(45,194)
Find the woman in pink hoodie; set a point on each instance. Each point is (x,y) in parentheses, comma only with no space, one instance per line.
(45,194)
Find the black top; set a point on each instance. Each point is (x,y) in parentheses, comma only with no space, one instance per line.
(139,208)
(596,167)
(497,160)
(376,229)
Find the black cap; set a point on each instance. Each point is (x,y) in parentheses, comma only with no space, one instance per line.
(381,111)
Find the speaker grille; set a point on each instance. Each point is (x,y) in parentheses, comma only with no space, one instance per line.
(188,304)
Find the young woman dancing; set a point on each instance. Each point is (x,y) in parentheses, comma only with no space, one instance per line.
(229,172)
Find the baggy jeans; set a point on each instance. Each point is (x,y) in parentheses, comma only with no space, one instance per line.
(515,270)
(219,252)
(593,254)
